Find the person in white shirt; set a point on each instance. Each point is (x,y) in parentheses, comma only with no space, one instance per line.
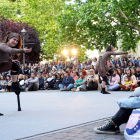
(94,62)
(32,84)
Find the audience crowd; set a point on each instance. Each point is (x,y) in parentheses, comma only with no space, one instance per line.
(75,76)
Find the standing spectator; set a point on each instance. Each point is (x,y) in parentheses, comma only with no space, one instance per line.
(67,83)
(41,81)
(32,84)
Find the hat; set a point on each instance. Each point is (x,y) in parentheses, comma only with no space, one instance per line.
(11,35)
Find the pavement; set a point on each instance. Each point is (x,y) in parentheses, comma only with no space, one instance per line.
(85,132)
(50,110)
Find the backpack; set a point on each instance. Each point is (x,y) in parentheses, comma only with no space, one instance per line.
(132,129)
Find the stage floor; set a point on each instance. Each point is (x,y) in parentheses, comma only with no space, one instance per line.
(48,110)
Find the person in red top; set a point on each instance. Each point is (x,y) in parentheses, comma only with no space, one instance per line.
(11,45)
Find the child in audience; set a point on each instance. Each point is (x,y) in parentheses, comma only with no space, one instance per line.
(127,82)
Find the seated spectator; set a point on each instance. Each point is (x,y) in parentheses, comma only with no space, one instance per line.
(54,70)
(135,61)
(122,65)
(117,66)
(113,61)
(3,83)
(9,83)
(61,70)
(26,70)
(130,65)
(74,75)
(94,62)
(82,84)
(138,75)
(132,78)
(78,64)
(69,64)
(92,81)
(50,85)
(69,70)
(58,81)
(82,75)
(121,73)
(32,84)
(117,61)
(125,109)
(110,65)
(88,62)
(22,84)
(114,81)
(49,79)
(41,81)
(59,65)
(125,61)
(67,83)
(127,82)
(46,76)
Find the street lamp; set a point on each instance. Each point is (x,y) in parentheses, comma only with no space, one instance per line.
(23,33)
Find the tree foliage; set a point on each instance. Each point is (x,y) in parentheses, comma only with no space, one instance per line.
(98,23)
(31,39)
(94,24)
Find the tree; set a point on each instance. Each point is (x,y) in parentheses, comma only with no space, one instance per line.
(98,23)
(39,14)
(31,38)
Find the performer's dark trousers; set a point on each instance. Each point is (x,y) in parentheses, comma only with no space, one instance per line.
(122,116)
(6,66)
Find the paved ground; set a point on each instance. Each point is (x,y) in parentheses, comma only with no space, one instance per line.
(45,111)
(82,133)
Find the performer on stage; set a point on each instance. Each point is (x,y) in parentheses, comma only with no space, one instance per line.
(102,68)
(12,45)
